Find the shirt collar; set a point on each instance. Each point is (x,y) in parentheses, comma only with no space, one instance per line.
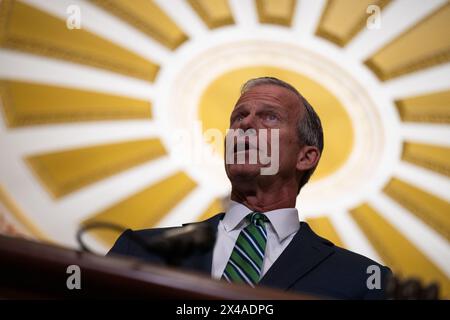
(285,221)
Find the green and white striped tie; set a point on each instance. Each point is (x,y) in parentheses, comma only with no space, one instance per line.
(246,260)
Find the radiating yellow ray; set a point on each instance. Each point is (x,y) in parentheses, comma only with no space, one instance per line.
(434,107)
(276,11)
(396,250)
(25,28)
(432,210)
(145,208)
(342,19)
(432,157)
(324,228)
(214,13)
(424,45)
(26,103)
(8,202)
(214,208)
(63,172)
(146,16)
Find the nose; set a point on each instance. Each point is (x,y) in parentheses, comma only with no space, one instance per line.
(249,122)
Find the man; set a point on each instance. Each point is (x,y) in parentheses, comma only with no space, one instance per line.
(260,240)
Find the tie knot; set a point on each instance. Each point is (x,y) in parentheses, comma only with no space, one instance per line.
(257,218)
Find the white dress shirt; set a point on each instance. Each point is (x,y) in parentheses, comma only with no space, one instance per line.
(283,225)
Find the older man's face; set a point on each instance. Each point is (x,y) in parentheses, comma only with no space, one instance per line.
(268,107)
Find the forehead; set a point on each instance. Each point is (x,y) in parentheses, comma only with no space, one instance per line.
(271,94)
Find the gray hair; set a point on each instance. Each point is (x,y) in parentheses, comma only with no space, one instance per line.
(309,127)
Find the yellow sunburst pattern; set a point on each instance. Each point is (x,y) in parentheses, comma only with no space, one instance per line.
(90,115)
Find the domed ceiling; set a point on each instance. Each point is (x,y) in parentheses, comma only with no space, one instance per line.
(107,109)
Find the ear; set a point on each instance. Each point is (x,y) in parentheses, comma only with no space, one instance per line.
(307,158)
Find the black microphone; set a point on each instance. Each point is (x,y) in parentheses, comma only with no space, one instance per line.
(177,244)
(172,245)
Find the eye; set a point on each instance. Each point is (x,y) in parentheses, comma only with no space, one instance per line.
(238,118)
(271,117)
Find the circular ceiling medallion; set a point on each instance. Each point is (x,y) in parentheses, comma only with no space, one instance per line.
(207,85)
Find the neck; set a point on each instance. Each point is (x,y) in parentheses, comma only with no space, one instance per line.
(265,197)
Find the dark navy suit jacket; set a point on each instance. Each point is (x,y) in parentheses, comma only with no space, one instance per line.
(309,264)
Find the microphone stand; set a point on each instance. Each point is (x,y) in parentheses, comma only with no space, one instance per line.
(172,245)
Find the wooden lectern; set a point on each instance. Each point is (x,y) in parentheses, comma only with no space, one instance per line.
(32,270)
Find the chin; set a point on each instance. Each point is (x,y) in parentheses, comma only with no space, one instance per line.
(243,170)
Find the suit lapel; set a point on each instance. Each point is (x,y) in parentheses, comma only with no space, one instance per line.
(202,262)
(305,251)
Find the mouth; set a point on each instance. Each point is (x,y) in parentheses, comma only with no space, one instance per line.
(243,147)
